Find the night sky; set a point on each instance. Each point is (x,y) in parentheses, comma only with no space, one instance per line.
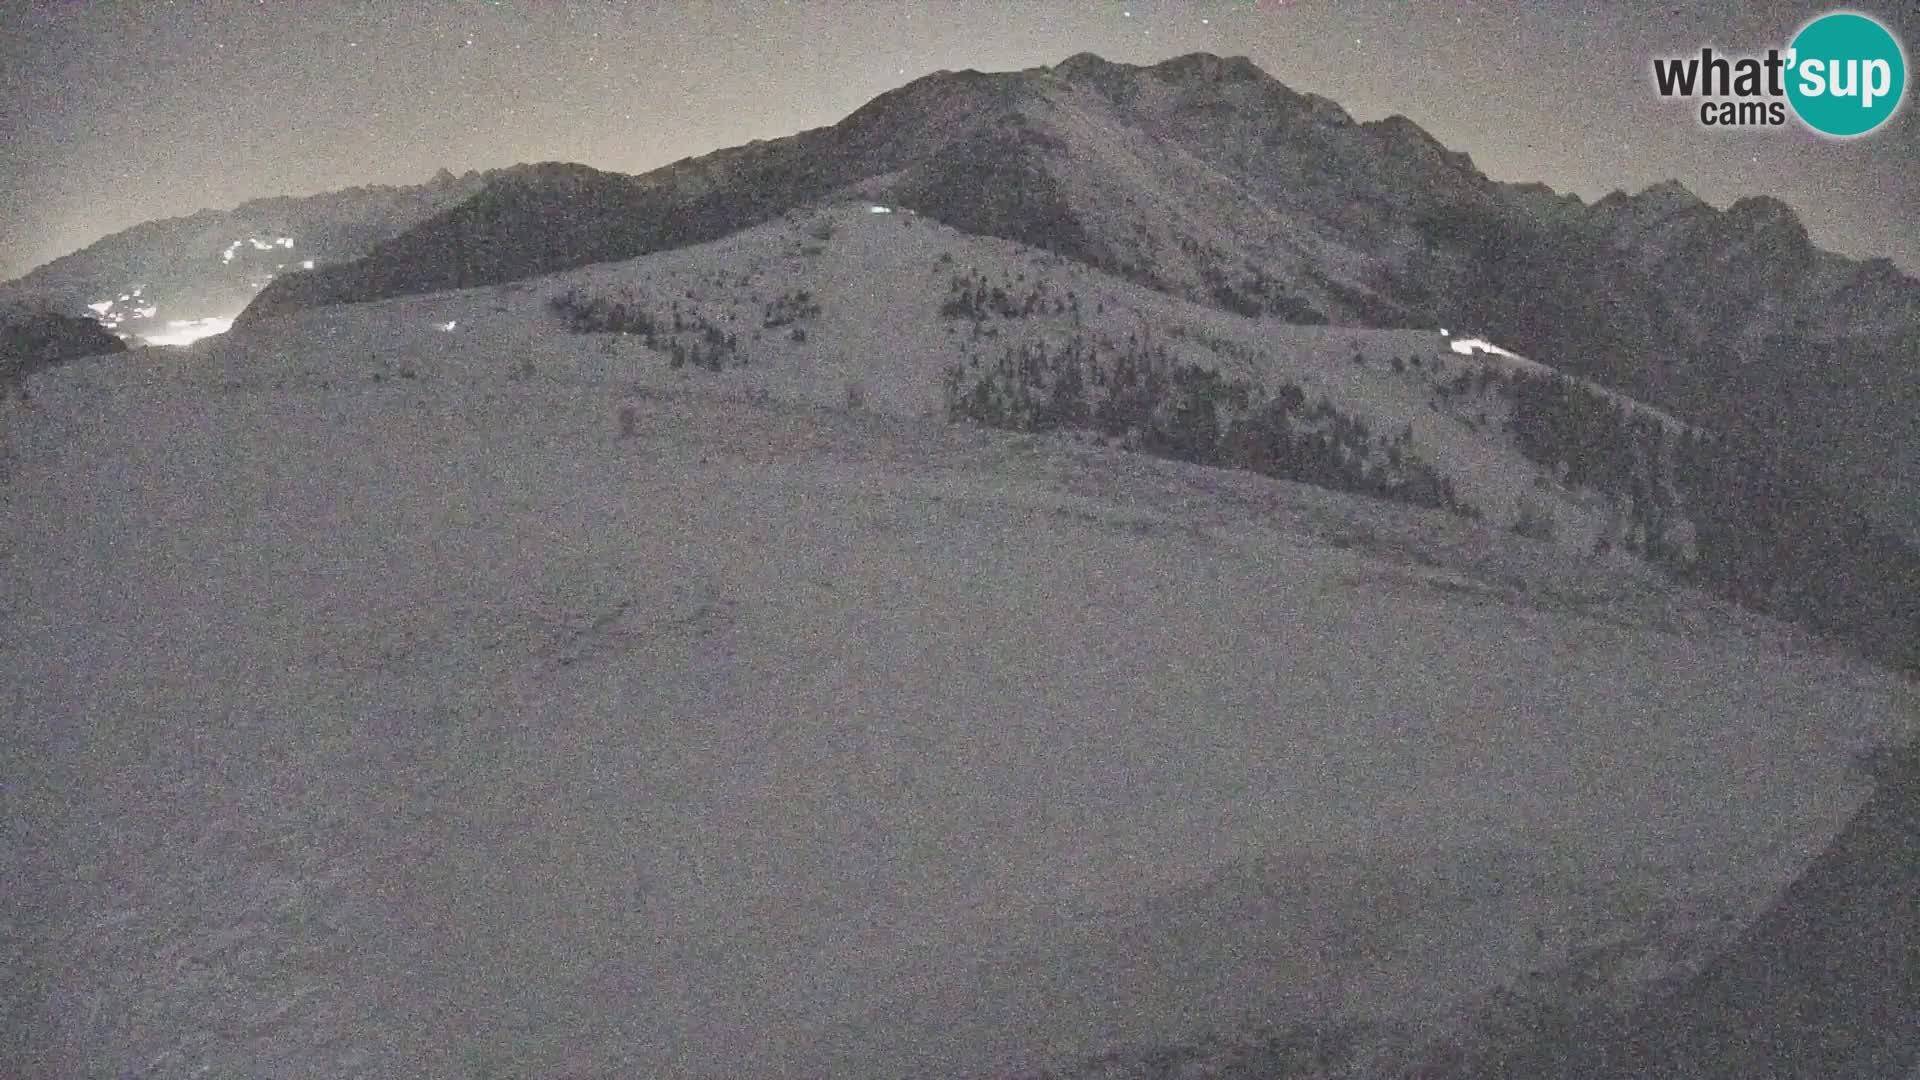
(120,112)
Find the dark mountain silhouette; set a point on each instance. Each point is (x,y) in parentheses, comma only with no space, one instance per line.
(1192,166)
(34,338)
(555,216)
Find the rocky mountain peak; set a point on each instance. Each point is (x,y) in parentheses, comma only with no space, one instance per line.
(1407,138)
(1764,213)
(1083,65)
(1670,195)
(1206,67)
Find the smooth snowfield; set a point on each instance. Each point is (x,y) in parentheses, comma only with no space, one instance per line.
(428,727)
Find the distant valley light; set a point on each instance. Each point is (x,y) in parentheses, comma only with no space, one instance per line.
(257,244)
(188,331)
(135,318)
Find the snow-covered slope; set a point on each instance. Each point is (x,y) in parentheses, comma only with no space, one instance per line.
(849,298)
(419,688)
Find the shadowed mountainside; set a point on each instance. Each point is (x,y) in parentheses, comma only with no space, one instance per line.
(31,339)
(1824,984)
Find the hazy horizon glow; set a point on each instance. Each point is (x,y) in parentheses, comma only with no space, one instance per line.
(188,331)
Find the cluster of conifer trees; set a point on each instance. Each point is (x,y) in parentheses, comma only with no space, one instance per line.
(1142,393)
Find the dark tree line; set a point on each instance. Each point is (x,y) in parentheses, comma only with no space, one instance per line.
(1562,424)
(1774,539)
(686,337)
(790,308)
(1767,534)
(1189,413)
(971,296)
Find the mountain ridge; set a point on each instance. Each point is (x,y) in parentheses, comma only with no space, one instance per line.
(1409,170)
(1206,178)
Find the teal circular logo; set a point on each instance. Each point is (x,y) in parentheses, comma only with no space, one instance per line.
(1846,74)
